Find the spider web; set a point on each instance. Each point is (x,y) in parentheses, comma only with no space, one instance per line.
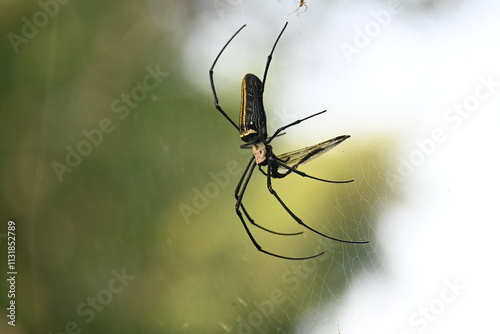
(269,296)
(314,290)
(323,295)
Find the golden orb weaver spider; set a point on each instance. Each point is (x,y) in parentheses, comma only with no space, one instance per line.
(253,131)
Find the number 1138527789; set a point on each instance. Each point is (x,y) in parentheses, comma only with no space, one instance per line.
(11,246)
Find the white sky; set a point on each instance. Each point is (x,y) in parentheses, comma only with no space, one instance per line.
(421,64)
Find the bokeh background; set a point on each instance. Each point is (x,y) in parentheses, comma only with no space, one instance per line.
(119,173)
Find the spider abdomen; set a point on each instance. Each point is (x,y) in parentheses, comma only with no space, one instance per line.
(252,114)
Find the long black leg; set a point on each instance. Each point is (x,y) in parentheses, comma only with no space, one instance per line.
(297,219)
(238,195)
(244,184)
(271,57)
(212,83)
(277,132)
(296,171)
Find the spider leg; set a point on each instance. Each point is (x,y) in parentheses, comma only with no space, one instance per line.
(240,191)
(296,171)
(297,219)
(212,83)
(270,57)
(279,130)
(249,170)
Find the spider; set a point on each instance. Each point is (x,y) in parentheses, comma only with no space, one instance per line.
(302,3)
(253,131)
